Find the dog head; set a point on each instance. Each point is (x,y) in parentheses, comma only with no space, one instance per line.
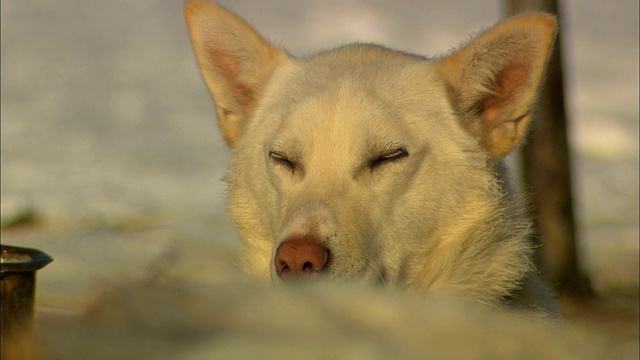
(358,161)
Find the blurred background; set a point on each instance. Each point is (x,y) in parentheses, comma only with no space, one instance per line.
(111,158)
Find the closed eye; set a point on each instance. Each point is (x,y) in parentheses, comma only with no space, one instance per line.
(281,160)
(389,157)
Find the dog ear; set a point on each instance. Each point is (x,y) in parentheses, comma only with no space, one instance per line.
(235,61)
(493,80)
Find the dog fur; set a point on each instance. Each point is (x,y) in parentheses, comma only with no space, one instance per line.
(369,164)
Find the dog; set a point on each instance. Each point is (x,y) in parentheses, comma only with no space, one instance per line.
(368,164)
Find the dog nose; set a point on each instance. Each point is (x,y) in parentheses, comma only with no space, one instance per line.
(300,258)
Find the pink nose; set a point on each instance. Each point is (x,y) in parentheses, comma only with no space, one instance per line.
(300,258)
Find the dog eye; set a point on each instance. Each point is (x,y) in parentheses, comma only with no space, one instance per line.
(281,160)
(390,157)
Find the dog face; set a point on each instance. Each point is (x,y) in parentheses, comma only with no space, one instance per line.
(350,160)
(362,162)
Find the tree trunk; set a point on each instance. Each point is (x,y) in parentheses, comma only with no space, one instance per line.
(546,167)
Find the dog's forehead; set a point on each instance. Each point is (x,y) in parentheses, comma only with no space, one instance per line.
(343,109)
(358,96)
(366,64)
(357,82)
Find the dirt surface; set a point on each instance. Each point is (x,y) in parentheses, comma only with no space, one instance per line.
(615,316)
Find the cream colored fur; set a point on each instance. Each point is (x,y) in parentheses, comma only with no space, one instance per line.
(307,137)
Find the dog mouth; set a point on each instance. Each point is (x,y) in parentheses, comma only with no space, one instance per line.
(303,259)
